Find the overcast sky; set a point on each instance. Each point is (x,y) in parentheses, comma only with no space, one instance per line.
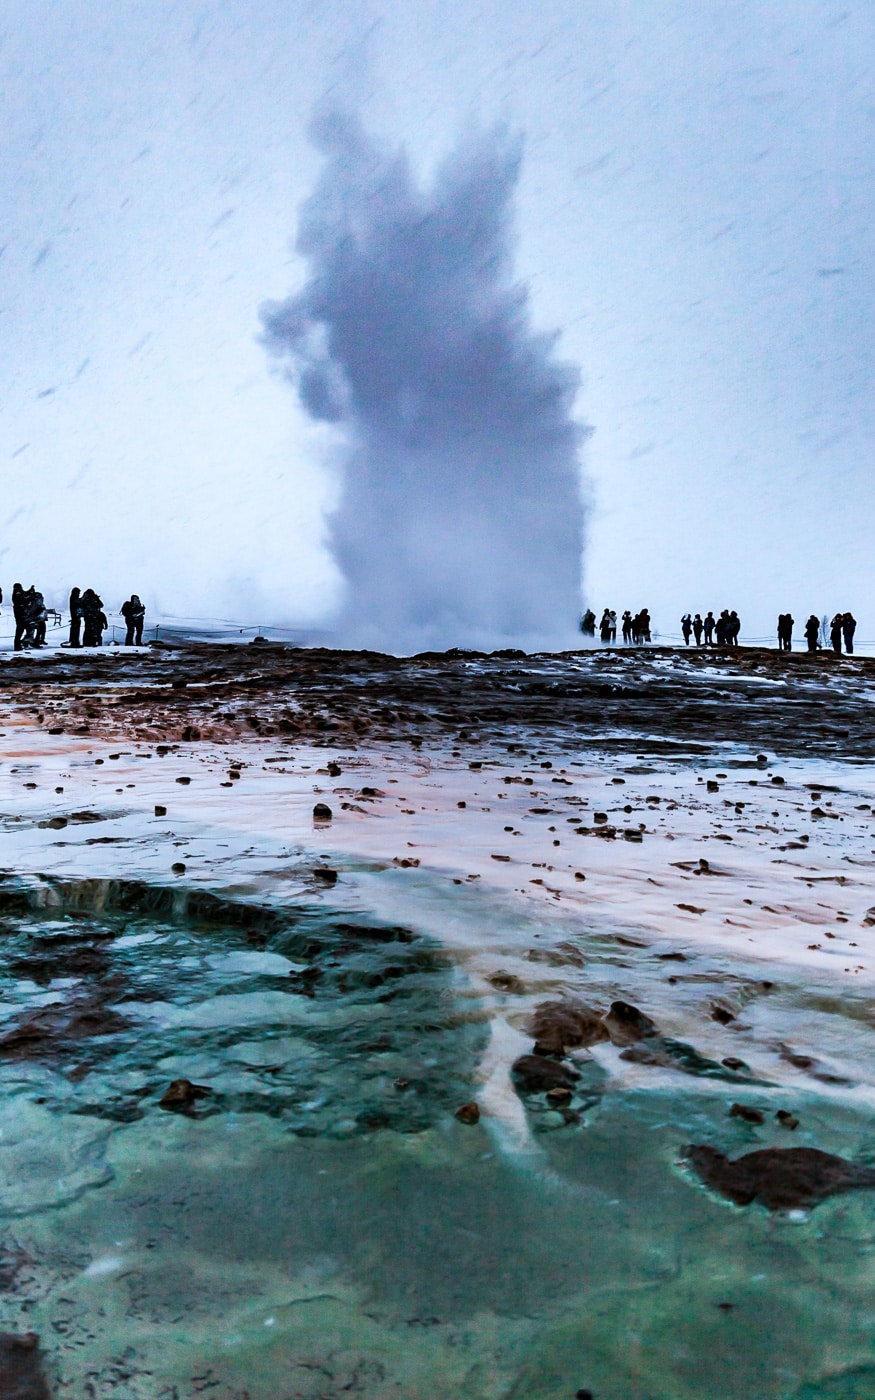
(694,214)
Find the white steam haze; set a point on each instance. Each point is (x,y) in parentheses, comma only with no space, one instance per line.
(459,520)
(693,214)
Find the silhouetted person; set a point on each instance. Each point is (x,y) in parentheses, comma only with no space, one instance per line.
(627,626)
(587,623)
(698,624)
(30,617)
(785,632)
(19,608)
(133,613)
(687,628)
(644,620)
(835,634)
(849,627)
(605,626)
(75,618)
(721,627)
(733,629)
(708,628)
(812,633)
(39,617)
(93,618)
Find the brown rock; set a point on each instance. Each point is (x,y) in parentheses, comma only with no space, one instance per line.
(506,982)
(561,1094)
(558,1026)
(749,1115)
(535,1074)
(182,1094)
(21,1372)
(780,1178)
(469,1113)
(322,812)
(626,1024)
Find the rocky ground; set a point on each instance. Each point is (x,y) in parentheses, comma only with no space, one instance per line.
(343,995)
(780,703)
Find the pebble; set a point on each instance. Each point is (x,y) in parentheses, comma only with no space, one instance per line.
(469,1113)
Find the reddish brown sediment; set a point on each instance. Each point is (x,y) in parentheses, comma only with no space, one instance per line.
(778,702)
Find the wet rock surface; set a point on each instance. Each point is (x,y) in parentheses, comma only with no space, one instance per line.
(558,1026)
(21,1372)
(228,691)
(788,1178)
(302,1015)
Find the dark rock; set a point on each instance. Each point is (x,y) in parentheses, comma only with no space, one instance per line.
(732,1062)
(719,1013)
(558,1026)
(325,875)
(666,1053)
(178,867)
(810,1065)
(183,779)
(780,1178)
(749,1115)
(506,982)
(21,1372)
(322,812)
(160,811)
(181,1094)
(48,1030)
(626,1024)
(469,1113)
(787,1119)
(560,1095)
(535,1074)
(334,770)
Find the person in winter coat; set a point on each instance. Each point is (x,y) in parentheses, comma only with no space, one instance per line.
(133,613)
(75,618)
(835,634)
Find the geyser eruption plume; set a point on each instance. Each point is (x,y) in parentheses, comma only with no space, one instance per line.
(460,519)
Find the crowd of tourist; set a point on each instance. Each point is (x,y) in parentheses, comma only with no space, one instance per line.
(723,631)
(88,621)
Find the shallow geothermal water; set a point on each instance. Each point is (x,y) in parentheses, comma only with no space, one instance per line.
(318,1222)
